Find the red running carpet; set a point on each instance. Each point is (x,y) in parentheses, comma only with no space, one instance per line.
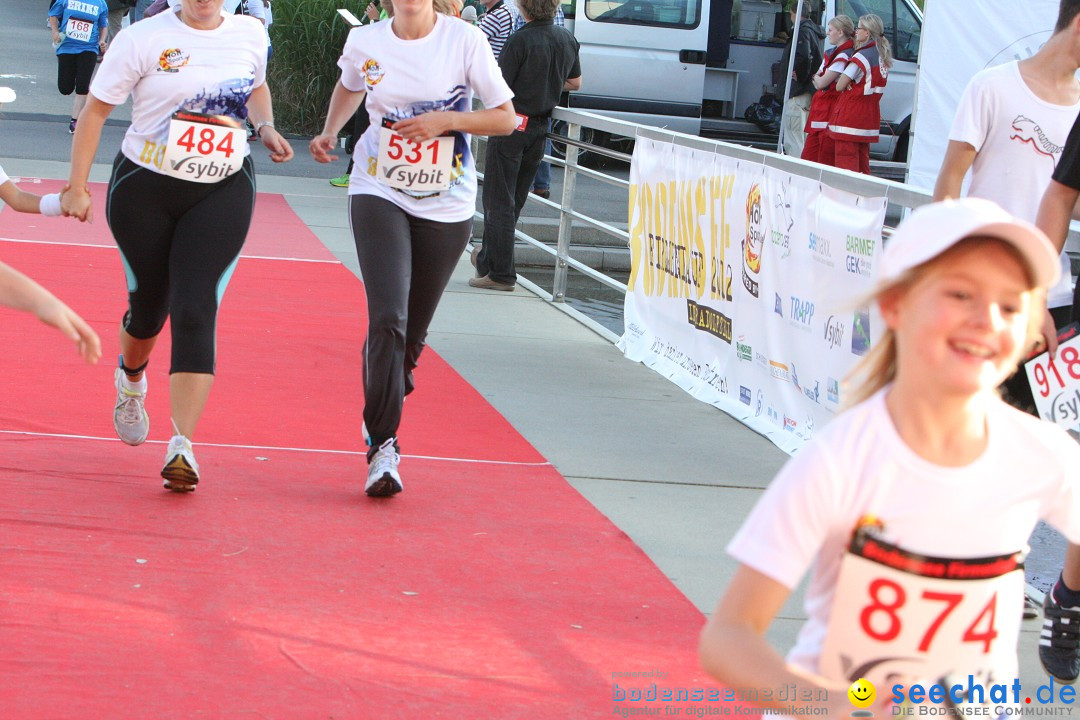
(488,589)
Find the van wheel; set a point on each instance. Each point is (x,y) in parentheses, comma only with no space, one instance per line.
(558,149)
(901,154)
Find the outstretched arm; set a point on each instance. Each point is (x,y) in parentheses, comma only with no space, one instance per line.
(21,293)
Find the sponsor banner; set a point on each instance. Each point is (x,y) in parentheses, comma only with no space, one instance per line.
(743,285)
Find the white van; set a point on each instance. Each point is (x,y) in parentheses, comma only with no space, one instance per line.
(694,66)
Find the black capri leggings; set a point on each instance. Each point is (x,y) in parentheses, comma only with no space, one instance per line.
(180,242)
(75,71)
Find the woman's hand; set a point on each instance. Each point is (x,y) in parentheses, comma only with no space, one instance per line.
(426,126)
(372,12)
(280,149)
(321,146)
(76,203)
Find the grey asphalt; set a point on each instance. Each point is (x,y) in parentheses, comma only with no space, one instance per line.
(675,474)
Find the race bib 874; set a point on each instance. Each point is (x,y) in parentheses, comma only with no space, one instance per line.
(900,617)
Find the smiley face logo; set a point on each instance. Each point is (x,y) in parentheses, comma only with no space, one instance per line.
(861,693)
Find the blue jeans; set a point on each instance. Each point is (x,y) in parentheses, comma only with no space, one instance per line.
(542,181)
(139,9)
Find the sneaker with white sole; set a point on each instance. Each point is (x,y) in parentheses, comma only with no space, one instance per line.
(181,472)
(130,420)
(383,479)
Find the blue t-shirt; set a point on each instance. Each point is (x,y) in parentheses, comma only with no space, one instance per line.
(82,23)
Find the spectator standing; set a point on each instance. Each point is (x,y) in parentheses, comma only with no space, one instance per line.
(807,60)
(496,23)
(539,62)
(541,186)
(818,146)
(856,119)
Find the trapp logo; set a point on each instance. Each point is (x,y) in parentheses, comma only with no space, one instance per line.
(802,311)
(834,332)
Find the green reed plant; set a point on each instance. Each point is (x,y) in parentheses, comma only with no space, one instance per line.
(308,36)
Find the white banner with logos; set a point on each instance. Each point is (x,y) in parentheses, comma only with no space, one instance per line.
(743,282)
(959,40)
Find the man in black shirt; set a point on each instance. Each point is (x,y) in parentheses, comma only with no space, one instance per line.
(539,62)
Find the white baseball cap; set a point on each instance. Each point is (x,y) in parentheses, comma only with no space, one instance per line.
(7,95)
(932,229)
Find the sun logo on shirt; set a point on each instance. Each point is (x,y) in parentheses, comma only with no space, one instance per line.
(172,59)
(372,72)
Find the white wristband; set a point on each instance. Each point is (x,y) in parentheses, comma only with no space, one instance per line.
(50,205)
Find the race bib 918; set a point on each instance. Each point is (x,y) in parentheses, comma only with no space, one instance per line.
(203,148)
(414,165)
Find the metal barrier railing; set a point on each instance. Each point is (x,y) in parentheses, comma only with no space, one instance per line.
(570,205)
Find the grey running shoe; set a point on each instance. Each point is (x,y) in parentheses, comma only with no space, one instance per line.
(181,472)
(130,420)
(383,479)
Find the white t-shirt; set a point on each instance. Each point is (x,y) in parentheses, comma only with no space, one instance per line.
(406,78)
(3,176)
(167,66)
(1018,139)
(858,466)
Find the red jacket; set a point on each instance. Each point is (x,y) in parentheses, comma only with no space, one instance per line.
(857,113)
(821,105)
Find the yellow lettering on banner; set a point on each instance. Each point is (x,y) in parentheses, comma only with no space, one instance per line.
(700,211)
(647,203)
(660,230)
(634,228)
(721,188)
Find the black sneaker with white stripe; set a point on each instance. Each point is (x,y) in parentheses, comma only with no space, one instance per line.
(1059,642)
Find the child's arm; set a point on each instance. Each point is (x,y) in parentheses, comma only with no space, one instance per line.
(26,202)
(733,648)
(21,293)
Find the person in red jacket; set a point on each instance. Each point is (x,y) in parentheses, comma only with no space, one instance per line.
(819,146)
(857,115)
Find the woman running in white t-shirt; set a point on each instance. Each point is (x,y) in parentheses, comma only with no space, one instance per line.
(180,198)
(412,189)
(914,506)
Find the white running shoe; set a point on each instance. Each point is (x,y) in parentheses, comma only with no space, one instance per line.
(383,479)
(181,472)
(130,420)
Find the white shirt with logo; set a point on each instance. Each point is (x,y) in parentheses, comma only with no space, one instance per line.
(167,66)
(858,467)
(1018,138)
(405,78)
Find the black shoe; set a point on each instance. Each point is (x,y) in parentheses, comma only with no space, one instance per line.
(1059,642)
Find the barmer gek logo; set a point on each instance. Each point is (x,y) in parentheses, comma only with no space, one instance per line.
(778,308)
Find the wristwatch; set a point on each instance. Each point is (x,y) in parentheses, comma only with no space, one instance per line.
(261,125)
